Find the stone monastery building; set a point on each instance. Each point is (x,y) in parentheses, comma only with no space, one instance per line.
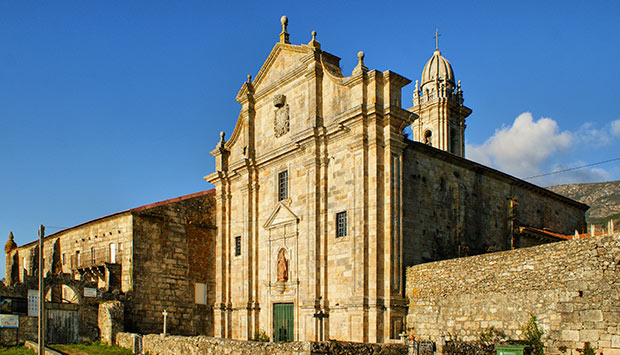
(320,204)
(322,201)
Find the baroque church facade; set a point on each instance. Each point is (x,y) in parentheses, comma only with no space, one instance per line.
(322,200)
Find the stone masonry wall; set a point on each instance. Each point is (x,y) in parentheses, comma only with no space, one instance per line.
(173,249)
(110,320)
(61,250)
(571,287)
(454,207)
(28,330)
(172,345)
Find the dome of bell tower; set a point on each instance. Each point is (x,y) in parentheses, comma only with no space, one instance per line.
(437,68)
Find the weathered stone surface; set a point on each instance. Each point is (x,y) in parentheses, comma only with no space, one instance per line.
(111,320)
(201,345)
(339,141)
(151,257)
(28,330)
(572,288)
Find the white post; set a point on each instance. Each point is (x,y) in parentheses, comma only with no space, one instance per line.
(41,294)
(165,320)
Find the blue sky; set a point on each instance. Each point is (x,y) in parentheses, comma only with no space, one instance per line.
(109,105)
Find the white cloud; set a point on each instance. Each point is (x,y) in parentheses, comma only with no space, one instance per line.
(524,148)
(615,128)
(596,137)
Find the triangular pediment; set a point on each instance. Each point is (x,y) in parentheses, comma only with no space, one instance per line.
(282,59)
(281,215)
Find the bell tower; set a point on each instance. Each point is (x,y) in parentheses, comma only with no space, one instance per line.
(438,102)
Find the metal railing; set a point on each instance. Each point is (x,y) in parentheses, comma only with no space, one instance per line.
(95,257)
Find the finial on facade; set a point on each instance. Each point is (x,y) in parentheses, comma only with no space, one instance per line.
(360,67)
(249,79)
(417,85)
(284,36)
(436,37)
(220,144)
(10,244)
(313,42)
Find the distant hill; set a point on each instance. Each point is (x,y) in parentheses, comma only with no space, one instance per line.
(602,197)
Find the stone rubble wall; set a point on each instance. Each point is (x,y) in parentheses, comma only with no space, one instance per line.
(173,250)
(110,320)
(28,330)
(155,344)
(571,287)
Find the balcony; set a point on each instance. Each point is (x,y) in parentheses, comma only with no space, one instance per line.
(95,258)
(102,265)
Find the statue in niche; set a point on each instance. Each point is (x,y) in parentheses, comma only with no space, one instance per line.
(282,266)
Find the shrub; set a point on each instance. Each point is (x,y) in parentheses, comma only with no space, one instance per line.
(260,335)
(491,335)
(534,335)
(587,349)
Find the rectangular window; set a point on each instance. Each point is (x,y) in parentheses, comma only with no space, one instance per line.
(63,258)
(237,246)
(113,253)
(92,255)
(200,293)
(341,224)
(283,185)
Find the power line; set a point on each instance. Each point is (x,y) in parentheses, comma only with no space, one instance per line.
(571,169)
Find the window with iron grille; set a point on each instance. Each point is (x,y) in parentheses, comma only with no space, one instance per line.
(341,224)
(237,246)
(283,185)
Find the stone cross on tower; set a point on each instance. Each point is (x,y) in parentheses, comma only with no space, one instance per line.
(436,37)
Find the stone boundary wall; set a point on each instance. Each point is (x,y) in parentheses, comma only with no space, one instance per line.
(572,287)
(28,330)
(110,320)
(155,344)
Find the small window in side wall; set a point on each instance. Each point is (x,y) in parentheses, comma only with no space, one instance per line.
(341,224)
(237,246)
(200,293)
(283,185)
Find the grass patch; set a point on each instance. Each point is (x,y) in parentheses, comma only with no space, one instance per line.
(96,348)
(16,350)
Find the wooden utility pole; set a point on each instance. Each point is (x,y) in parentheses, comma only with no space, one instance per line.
(41,294)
